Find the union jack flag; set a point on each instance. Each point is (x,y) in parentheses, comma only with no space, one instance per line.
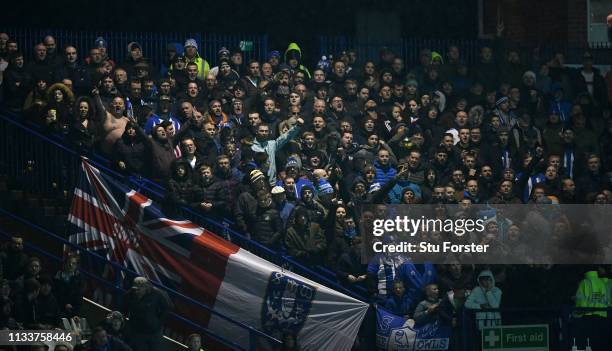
(128,228)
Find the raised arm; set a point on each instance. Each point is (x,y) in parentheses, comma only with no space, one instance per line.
(101,112)
(291,134)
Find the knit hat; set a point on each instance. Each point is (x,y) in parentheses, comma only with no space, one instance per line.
(255,176)
(500,99)
(100,43)
(324,187)
(529,74)
(191,42)
(292,162)
(374,188)
(223,52)
(277,190)
(274,53)
(133,45)
(412,82)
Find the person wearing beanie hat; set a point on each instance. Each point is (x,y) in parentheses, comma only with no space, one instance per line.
(101,44)
(529,78)
(114,324)
(374,187)
(292,162)
(502,109)
(412,82)
(223,53)
(324,187)
(255,176)
(273,59)
(308,201)
(192,55)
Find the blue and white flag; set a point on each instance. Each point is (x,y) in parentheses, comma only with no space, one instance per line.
(395,333)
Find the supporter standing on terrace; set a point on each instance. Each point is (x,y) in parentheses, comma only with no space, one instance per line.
(146,308)
(113,121)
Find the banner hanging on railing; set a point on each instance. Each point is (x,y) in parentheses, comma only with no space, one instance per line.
(396,333)
(130,229)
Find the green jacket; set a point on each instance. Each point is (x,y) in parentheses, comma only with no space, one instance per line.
(592,292)
(203,66)
(296,48)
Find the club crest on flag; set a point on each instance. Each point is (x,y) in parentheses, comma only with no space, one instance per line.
(286,304)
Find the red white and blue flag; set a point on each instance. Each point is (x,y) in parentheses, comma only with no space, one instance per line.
(128,228)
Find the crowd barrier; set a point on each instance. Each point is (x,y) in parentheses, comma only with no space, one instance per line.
(44,164)
(123,275)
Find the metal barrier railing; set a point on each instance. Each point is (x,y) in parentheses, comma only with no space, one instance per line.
(56,168)
(116,285)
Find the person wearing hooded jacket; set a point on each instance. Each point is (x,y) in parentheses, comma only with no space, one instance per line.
(192,55)
(305,239)
(130,151)
(179,187)
(485,296)
(293,58)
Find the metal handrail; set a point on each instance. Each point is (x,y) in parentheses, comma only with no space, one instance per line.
(200,219)
(56,258)
(127,270)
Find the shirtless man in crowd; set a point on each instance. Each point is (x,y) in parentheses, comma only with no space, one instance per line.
(113,122)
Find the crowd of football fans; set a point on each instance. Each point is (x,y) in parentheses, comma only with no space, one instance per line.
(291,154)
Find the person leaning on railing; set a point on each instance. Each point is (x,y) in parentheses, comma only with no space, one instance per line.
(483,297)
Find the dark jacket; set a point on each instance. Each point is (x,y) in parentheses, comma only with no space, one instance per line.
(267,227)
(207,149)
(147,314)
(244,211)
(133,152)
(17,85)
(179,189)
(161,153)
(42,70)
(78,74)
(69,290)
(49,309)
(224,194)
(306,244)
